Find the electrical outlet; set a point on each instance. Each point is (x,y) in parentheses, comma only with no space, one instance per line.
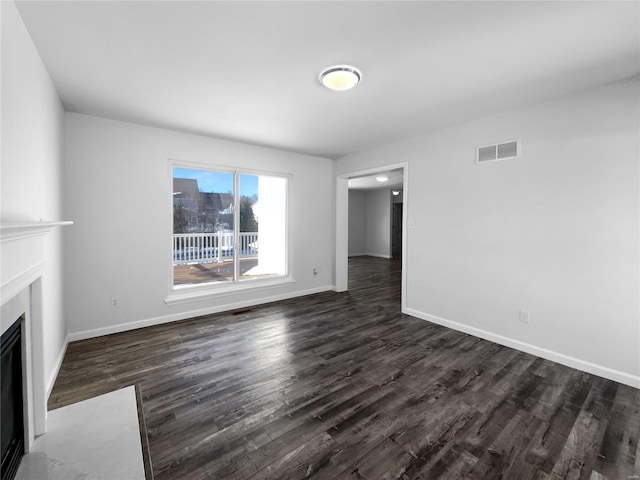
(524,316)
(115,303)
(315,272)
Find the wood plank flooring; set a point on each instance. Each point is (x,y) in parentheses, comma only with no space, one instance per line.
(345,386)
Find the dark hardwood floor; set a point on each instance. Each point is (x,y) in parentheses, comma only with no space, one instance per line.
(345,386)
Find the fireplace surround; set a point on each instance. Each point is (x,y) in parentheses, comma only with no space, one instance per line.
(22,265)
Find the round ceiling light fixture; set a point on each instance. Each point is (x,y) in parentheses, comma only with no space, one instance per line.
(382,178)
(340,77)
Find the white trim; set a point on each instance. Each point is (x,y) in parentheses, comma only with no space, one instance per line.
(372,170)
(365,254)
(194,293)
(17,230)
(601,371)
(13,287)
(36,319)
(341,225)
(23,267)
(405,235)
(123,327)
(175,295)
(56,367)
(236,229)
(379,255)
(180,163)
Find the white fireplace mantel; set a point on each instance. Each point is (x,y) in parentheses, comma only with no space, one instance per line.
(22,254)
(22,265)
(16,230)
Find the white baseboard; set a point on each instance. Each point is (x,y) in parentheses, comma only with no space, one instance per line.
(601,371)
(56,368)
(373,255)
(369,255)
(123,327)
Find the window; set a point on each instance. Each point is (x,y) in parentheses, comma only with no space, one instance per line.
(228,227)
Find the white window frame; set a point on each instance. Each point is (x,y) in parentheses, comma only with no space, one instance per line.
(188,293)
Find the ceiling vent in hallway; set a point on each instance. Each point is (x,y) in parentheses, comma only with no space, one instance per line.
(500,151)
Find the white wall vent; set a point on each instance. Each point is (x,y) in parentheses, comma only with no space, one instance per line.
(499,151)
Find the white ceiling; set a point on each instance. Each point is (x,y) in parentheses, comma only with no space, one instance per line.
(369,182)
(248,71)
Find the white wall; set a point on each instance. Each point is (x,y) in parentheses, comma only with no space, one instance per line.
(357,222)
(554,232)
(370,223)
(31,164)
(379,223)
(118,191)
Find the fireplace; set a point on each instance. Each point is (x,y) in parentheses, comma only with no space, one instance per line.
(11,406)
(22,265)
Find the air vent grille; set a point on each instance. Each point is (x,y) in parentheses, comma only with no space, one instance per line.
(499,151)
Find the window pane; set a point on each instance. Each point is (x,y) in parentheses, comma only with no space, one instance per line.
(262,226)
(202,226)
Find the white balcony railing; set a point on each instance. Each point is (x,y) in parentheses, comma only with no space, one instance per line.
(194,248)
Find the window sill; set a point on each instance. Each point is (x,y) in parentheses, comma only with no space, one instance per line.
(197,293)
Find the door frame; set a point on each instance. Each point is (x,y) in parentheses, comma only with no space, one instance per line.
(341,267)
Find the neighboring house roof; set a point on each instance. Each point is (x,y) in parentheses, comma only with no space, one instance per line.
(185,188)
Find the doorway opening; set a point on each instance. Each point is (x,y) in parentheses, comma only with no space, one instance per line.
(371,218)
(396,229)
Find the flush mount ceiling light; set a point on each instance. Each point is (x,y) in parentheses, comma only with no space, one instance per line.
(340,77)
(382,178)
(395,192)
